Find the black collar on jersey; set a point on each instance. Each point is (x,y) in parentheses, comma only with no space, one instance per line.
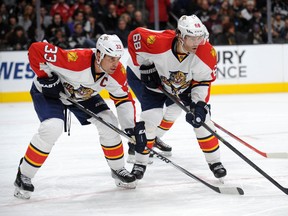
(93,71)
(179,56)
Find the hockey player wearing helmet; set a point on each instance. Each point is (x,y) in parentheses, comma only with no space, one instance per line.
(183,62)
(81,74)
(191,33)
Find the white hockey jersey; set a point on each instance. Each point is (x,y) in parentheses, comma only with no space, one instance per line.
(177,71)
(76,70)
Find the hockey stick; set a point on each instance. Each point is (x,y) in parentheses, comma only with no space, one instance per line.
(264,154)
(223,190)
(179,103)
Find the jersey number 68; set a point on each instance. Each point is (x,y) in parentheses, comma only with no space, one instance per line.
(137,41)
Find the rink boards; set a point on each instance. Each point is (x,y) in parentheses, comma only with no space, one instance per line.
(241,70)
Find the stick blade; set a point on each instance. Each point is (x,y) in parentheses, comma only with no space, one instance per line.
(231,190)
(277,155)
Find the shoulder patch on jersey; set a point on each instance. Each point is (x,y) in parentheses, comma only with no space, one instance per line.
(72,56)
(213,52)
(123,70)
(151,39)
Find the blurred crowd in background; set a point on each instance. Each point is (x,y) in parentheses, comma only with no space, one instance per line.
(78,23)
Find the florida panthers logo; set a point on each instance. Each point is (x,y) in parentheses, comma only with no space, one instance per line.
(177,81)
(72,56)
(82,92)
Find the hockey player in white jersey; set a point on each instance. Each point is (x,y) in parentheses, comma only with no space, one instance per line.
(81,74)
(184,64)
(171,113)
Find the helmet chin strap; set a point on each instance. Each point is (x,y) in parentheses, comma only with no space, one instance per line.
(181,47)
(98,63)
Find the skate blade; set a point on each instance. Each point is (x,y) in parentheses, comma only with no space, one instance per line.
(131,159)
(130,185)
(221,180)
(165,153)
(22,194)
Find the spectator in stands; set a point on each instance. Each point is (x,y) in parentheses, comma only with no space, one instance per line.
(47,19)
(78,5)
(229,36)
(216,4)
(4,28)
(164,8)
(182,7)
(100,10)
(130,9)
(12,23)
(213,25)
(246,16)
(122,31)
(4,12)
(127,19)
(237,7)
(258,33)
(120,7)
(279,7)
(111,19)
(25,19)
(33,34)
(78,17)
(284,31)
(226,9)
(17,39)
(79,38)
(203,12)
(88,11)
(138,20)
(60,39)
(277,25)
(61,8)
(56,24)
(257,36)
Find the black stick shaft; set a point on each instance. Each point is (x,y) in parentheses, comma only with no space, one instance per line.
(159,156)
(178,102)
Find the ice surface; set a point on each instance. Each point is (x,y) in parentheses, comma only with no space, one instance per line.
(75,180)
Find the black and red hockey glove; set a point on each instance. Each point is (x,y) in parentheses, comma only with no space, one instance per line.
(197,113)
(138,133)
(150,76)
(51,86)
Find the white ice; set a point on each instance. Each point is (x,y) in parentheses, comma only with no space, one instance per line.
(75,180)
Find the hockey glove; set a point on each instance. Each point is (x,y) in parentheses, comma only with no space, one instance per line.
(150,76)
(51,86)
(200,111)
(138,132)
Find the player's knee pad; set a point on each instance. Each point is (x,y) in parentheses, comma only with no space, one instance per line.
(51,129)
(107,136)
(172,112)
(152,119)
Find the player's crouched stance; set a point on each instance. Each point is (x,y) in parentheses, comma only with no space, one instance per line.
(183,63)
(81,74)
